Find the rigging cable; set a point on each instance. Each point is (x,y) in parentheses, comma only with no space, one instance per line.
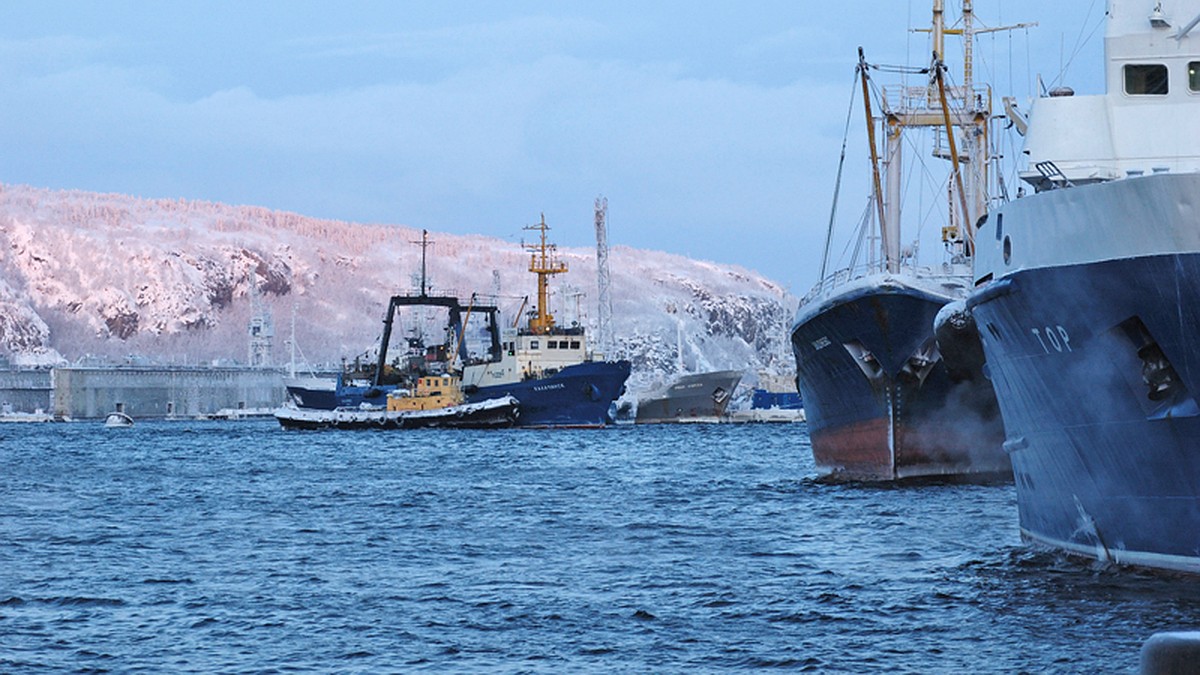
(1080,41)
(837,187)
(866,226)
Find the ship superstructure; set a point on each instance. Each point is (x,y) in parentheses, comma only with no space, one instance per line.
(881,403)
(1088,302)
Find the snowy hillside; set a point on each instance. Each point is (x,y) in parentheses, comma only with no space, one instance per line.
(110,276)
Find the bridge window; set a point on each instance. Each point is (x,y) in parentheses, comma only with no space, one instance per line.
(1146,79)
(574,344)
(533,344)
(1194,76)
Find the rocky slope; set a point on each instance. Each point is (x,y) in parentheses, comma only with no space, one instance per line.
(117,277)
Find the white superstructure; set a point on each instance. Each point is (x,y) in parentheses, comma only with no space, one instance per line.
(1146,122)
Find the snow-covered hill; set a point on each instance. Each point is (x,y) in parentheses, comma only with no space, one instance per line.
(172,281)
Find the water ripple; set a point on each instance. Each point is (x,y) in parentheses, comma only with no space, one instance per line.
(218,547)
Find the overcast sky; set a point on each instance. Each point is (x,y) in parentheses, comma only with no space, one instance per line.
(713,128)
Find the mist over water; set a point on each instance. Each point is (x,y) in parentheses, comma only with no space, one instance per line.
(233,547)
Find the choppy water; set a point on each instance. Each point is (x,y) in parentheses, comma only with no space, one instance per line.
(238,547)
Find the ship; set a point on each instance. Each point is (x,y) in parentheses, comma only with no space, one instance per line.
(694,397)
(881,404)
(367,385)
(551,369)
(1087,302)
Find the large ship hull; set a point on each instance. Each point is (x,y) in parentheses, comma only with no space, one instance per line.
(880,402)
(700,397)
(1102,469)
(580,395)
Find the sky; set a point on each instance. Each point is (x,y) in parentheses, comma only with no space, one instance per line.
(713,128)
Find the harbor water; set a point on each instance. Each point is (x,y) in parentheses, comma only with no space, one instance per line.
(207,546)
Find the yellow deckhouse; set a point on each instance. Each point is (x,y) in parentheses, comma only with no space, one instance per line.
(430,393)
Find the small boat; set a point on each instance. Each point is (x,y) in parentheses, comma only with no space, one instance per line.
(7,414)
(118,419)
(435,402)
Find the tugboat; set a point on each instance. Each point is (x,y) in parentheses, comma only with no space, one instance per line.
(1087,296)
(368,386)
(771,406)
(434,401)
(881,403)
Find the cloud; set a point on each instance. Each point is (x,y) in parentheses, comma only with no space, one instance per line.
(711,161)
(49,54)
(526,38)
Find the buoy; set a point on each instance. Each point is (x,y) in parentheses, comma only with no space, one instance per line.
(1172,653)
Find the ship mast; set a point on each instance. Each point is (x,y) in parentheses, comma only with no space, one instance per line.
(543,262)
(424,243)
(953,111)
(891,262)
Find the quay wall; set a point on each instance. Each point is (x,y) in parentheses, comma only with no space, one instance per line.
(162,392)
(26,391)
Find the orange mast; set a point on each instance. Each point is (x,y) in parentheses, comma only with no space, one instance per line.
(543,262)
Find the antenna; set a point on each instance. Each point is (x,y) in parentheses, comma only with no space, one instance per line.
(575,294)
(604,321)
(292,344)
(425,244)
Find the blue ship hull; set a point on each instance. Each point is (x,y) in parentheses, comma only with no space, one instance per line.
(1096,370)
(881,403)
(576,396)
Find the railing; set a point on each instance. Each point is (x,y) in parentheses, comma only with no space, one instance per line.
(847,275)
(902,100)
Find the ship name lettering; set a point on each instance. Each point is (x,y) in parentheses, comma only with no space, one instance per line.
(1053,337)
(548,387)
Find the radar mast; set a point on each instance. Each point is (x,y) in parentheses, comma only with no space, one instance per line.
(544,263)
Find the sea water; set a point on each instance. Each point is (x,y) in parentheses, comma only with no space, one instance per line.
(204,546)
